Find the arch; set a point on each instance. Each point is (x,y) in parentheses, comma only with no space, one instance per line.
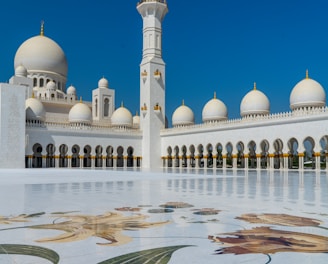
(240,155)
(63,149)
(50,157)
(200,150)
(229,149)
(176,157)
(192,156)
(106,107)
(169,157)
(278,147)
(129,162)
(324,152)
(76,156)
(120,157)
(96,107)
(87,156)
(209,149)
(219,156)
(252,162)
(99,159)
(293,162)
(309,158)
(184,156)
(109,157)
(264,145)
(41,82)
(37,156)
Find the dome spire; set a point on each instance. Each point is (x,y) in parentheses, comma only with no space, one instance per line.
(254,86)
(42,28)
(214,95)
(307,74)
(183,102)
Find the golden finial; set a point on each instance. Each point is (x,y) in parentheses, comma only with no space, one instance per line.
(183,102)
(42,28)
(122,104)
(307,74)
(137,114)
(254,86)
(80,99)
(214,95)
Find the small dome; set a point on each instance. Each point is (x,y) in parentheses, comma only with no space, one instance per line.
(307,93)
(51,86)
(41,54)
(80,113)
(103,83)
(254,103)
(20,71)
(71,90)
(122,117)
(183,116)
(214,110)
(136,121)
(34,110)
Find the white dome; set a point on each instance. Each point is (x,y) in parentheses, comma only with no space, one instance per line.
(122,117)
(214,110)
(71,90)
(307,93)
(41,54)
(136,120)
(34,110)
(183,116)
(51,86)
(103,83)
(255,103)
(20,71)
(80,113)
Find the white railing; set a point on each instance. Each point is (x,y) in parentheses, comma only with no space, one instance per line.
(310,111)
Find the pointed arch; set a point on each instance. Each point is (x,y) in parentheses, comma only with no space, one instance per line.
(76,156)
(63,162)
(120,157)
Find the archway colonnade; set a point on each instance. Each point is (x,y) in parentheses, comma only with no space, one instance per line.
(292,154)
(77,156)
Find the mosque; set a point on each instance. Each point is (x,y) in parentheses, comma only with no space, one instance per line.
(44,124)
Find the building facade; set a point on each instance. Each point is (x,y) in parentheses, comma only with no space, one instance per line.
(44,124)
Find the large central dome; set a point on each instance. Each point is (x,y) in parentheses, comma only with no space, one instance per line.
(41,54)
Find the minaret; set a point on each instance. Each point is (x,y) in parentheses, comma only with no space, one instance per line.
(152,81)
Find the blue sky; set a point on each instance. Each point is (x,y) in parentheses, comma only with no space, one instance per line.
(214,45)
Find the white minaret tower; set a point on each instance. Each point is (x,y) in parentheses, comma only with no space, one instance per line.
(152,81)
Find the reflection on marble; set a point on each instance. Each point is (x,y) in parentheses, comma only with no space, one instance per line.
(161,216)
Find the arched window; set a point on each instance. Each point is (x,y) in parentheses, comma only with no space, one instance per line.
(96,107)
(41,82)
(35,82)
(106,107)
